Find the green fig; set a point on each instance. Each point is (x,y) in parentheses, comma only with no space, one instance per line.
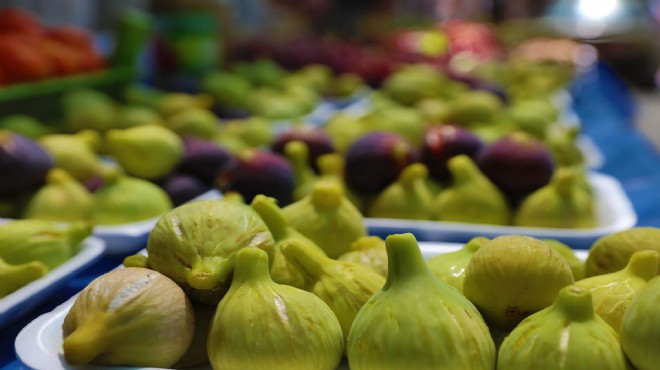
(474,107)
(195,245)
(368,251)
(567,335)
(344,286)
(198,122)
(404,121)
(282,271)
(261,325)
(228,89)
(89,109)
(562,203)
(534,116)
(72,154)
(61,199)
(170,104)
(253,131)
(25,125)
(328,218)
(412,83)
(49,242)
(471,198)
(611,253)
(640,327)
(450,267)
(344,128)
(417,320)
(331,167)
(564,148)
(125,199)
(15,276)
(132,317)
(136,260)
(133,116)
(613,293)
(148,152)
(506,289)
(297,153)
(577,265)
(408,198)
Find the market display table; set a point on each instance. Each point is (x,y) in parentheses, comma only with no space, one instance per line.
(606,109)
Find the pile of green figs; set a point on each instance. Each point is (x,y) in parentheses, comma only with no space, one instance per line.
(236,285)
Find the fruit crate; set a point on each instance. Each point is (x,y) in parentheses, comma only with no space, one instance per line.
(40,99)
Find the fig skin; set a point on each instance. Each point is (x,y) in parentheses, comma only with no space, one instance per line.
(318,143)
(24,164)
(640,328)
(368,251)
(442,142)
(204,159)
(61,199)
(517,164)
(612,252)
(131,317)
(259,172)
(506,289)
(407,198)
(450,267)
(16,276)
(182,187)
(375,161)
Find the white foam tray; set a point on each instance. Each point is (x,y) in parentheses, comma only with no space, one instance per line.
(613,210)
(24,299)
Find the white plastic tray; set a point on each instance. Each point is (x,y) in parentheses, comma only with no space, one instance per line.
(24,299)
(613,208)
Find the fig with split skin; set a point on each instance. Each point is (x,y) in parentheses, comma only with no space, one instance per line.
(262,325)
(131,317)
(566,335)
(505,289)
(612,252)
(640,327)
(471,197)
(195,245)
(413,313)
(407,198)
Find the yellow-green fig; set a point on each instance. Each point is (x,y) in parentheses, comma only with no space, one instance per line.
(331,168)
(72,154)
(471,197)
(281,270)
(344,286)
(15,276)
(640,328)
(132,317)
(132,116)
(613,293)
(577,265)
(611,253)
(49,242)
(417,321)
(195,245)
(198,122)
(262,325)
(408,198)
(563,203)
(63,199)
(513,276)
(297,153)
(149,152)
(125,199)
(368,251)
(568,335)
(450,267)
(172,103)
(328,218)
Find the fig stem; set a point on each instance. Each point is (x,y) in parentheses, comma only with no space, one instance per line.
(326,195)
(271,214)
(404,259)
(251,265)
(331,165)
(475,243)
(575,303)
(85,343)
(209,273)
(308,261)
(412,174)
(564,182)
(462,169)
(644,264)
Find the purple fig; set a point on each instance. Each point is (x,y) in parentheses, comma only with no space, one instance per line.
(183,187)
(23,164)
(442,142)
(517,164)
(376,160)
(318,142)
(204,159)
(259,172)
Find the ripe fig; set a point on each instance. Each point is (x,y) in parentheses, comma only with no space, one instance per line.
(612,252)
(368,251)
(518,164)
(408,198)
(442,142)
(62,199)
(182,188)
(259,172)
(640,328)
(376,160)
(203,159)
(318,142)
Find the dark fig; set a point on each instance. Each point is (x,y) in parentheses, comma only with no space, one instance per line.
(376,160)
(318,142)
(23,164)
(259,172)
(183,187)
(517,164)
(204,159)
(442,142)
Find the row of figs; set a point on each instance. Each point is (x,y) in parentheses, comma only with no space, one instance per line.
(262,286)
